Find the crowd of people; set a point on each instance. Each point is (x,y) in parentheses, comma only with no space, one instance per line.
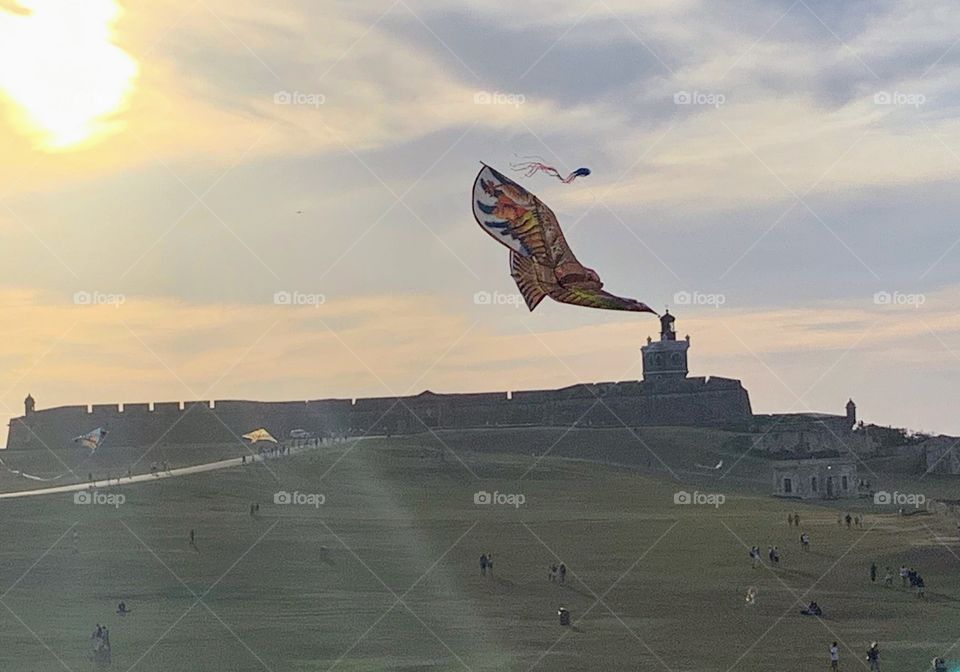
(910,579)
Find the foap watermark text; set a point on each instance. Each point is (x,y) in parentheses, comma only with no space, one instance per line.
(684,498)
(114,499)
(914,499)
(297,498)
(484,498)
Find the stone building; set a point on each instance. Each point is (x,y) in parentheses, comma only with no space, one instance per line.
(941,455)
(810,433)
(815,478)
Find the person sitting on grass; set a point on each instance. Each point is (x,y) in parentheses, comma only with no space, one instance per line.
(122,609)
(813,609)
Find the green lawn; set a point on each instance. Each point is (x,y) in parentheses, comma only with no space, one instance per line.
(384,574)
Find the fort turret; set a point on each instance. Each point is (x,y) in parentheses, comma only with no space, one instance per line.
(666,358)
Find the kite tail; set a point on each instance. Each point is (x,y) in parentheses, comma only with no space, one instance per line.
(530,168)
(524,272)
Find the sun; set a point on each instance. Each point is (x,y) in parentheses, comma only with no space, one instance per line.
(61,71)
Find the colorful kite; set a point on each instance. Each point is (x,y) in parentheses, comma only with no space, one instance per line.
(259,435)
(541,262)
(531,168)
(92,439)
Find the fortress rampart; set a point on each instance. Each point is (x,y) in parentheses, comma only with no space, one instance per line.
(708,402)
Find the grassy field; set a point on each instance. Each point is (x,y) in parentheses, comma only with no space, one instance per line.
(384,573)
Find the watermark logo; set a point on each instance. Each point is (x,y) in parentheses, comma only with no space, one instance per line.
(713,499)
(85,298)
(299,98)
(699,299)
(899,299)
(498,299)
(484,498)
(283,298)
(99,498)
(914,499)
(706,98)
(914,100)
(298,498)
(499,98)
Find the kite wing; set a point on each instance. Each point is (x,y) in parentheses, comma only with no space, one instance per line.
(597,298)
(259,435)
(536,281)
(518,219)
(91,439)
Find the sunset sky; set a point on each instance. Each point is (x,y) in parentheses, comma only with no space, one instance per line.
(781,174)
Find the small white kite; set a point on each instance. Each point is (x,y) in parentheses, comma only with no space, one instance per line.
(91,439)
(717,467)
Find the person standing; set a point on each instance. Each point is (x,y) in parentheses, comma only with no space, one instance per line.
(873,657)
(563,572)
(483,564)
(834,657)
(873,572)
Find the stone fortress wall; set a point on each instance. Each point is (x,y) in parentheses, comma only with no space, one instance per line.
(667,396)
(708,402)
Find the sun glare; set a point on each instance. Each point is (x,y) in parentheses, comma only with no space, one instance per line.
(60,70)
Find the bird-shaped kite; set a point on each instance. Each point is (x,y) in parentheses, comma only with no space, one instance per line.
(259,435)
(541,262)
(91,439)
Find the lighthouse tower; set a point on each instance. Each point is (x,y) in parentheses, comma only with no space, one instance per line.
(666,358)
